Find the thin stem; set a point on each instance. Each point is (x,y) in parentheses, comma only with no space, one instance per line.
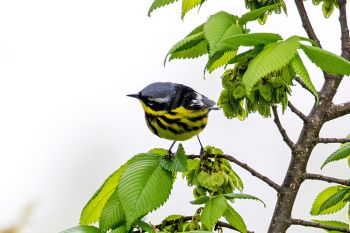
(244,166)
(317,225)
(301,82)
(283,132)
(333,140)
(311,176)
(306,21)
(297,111)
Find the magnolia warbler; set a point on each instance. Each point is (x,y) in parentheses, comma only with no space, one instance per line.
(174,111)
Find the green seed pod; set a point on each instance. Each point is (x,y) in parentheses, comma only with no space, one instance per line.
(316,2)
(196,194)
(192,226)
(225,177)
(201,190)
(203,179)
(238,91)
(216,180)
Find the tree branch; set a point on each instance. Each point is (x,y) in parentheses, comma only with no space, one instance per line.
(297,111)
(339,110)
(333,140)
(226,225)
(230,158)
(306,21)
(345,38)
(317,225)
(311,176)
(283,132)
(189,218)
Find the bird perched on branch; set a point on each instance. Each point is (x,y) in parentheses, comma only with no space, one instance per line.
(174,111)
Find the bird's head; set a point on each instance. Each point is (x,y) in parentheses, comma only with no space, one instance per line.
(156,95)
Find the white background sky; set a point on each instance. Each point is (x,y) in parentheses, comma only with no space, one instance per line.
(66,124)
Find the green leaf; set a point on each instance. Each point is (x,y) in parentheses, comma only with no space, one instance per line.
(300,69)
(187,43)
(173,217)
(246,55)
(327,61)
(254,14)
(176,163)
(194,52)
(187,5)
(82,229)
(242,196)
(121,229)
(272,58)
(219,59)
(159,151)
(144,186)
(188,232)
(93,208)
(236,179)
(252,39)
(200,201)
(322,197)
(213,210)
(159,3)
(220,26)
(234,219)
(112,215)
(340,153)
(334,199)
(145,226)
(333,224)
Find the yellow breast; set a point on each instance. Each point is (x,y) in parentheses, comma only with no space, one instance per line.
(178,124)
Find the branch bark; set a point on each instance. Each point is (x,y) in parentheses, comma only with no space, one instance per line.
(333,140)
(311,176)
(245,166)
(306,21)
(310,132)
(297,111)
(317,225)
(219,224)
(339,110)
(283,132)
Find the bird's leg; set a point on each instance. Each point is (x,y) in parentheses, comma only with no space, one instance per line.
(169,150)
(200,143)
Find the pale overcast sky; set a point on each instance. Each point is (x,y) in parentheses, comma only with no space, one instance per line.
(66,124)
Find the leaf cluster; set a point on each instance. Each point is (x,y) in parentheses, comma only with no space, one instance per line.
(212,176)
(334,198)
(144,183)
(278,5)
(327,6)
(265,65)
(187,5)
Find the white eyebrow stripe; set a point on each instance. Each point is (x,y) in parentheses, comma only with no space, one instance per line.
(160,100)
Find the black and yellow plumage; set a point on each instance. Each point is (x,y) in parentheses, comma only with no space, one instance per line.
(174,111)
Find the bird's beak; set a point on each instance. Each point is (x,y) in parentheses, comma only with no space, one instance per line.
(137,95)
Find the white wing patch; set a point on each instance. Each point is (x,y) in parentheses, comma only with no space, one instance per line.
(197,101)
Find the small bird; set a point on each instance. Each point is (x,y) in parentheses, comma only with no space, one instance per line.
(174,111)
